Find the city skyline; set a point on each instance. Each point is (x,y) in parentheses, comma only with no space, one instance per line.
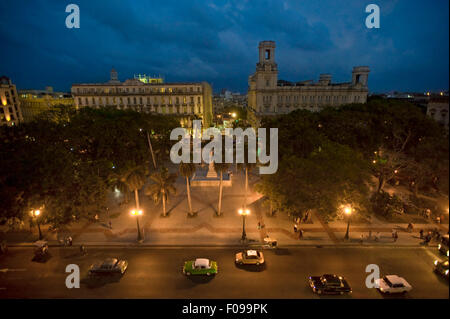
(216,42)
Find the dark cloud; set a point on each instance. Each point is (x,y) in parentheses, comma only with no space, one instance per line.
(217,41)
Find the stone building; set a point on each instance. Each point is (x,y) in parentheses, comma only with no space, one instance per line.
(185,100)
(10,111)
(437,109)
(34,102)
(267,95)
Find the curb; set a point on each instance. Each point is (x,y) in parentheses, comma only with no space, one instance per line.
(150,246)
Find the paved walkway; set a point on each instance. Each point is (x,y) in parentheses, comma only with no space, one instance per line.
(208,229)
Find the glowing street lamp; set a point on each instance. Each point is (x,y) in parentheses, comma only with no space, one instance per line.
(233,115)
(137,213)
(243,213)
(35,214)
(348,211)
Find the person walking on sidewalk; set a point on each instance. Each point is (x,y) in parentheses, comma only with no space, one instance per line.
(377,236)
(421,234)
(300,233)
(295,228)
(395,236)
(362,238)
(110,225)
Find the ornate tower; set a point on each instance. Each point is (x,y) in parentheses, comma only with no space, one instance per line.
(265,78)
(113,76)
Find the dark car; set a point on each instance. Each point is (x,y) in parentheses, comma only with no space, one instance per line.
(109,266)
(329,284)
(441,267)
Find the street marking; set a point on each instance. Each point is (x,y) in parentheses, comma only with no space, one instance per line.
(4,270)
(429,253)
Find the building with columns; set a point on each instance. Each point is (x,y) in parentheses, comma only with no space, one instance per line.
(186,100)
(10,111)
(267,95)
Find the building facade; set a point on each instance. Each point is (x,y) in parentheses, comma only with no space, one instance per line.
(10,111)
(269,96)
(186,100)
(35,102)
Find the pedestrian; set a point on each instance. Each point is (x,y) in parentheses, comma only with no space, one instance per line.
(377,236)
(259,225)
(69,241)
(362,238)
(83,250)
(421,234)
(295,228)
(395,236)
(438,220)
(428,213)
(96,217)
(410,227)
(300,234)
(393,233)
(110,225)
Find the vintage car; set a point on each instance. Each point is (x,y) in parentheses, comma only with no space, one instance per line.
(329,284)
(441,267)
(109,266)
(200,266)
(391,284)
(250,257)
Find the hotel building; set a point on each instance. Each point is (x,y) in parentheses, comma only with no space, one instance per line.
(144,94)
(10,112)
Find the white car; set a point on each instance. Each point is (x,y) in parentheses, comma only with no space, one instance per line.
(393,284)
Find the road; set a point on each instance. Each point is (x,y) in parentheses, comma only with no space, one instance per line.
(156,273)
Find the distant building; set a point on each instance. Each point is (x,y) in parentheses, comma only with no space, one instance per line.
(437,109)
(10,111)
(269,96)
(35,102)
(186,100)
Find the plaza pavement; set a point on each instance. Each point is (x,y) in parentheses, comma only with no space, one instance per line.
(206,229)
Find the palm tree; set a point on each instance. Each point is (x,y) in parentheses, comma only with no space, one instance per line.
(221,168)
(131,180)
(248,167)
(187,170)
(162,186)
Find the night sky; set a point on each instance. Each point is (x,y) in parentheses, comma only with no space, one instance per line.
(216,41)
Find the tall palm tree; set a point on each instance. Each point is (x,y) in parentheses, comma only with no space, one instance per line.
(131,179)
(162,187)
(220,168)
(248,167)
(187,170)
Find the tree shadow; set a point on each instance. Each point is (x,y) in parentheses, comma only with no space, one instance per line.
(100,280)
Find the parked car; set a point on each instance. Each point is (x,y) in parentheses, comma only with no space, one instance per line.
(200,266)
(443,245)
(250,257)
(109,266)
(391,284)
(329,284)
(441,267)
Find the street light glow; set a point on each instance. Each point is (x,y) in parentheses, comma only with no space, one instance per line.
(348,210)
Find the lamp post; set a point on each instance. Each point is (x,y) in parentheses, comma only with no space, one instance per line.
(35,214)
(348,212)
(137,213)
(243,213)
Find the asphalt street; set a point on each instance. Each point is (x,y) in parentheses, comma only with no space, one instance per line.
(157,273)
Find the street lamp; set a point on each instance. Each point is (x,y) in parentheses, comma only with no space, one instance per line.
(348,212)
(137,213)
(35,214)
(243,213)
